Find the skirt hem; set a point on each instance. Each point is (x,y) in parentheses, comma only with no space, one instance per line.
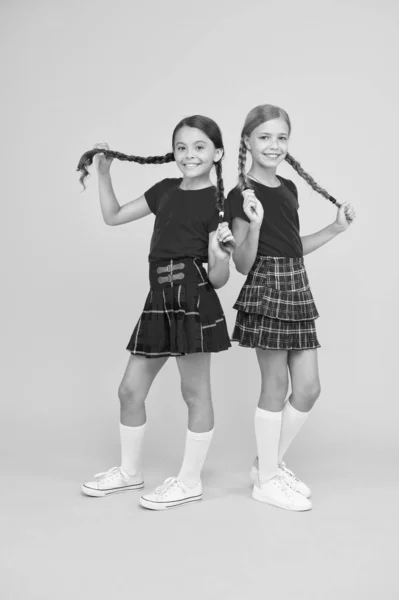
(262,347)
(176,354)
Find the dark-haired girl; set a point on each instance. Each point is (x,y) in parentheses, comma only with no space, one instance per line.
(276,311)
(182,315)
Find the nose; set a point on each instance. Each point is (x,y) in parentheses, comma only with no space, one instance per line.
(274,144)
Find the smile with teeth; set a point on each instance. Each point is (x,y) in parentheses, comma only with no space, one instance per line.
(272,155)
(191,165)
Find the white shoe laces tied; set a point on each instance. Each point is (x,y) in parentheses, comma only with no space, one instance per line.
(110,474)
(290,476)
(169,485)
(283,485)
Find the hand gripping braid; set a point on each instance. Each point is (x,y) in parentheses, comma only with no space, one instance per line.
(86,160)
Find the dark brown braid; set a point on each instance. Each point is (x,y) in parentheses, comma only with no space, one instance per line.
(297,167)
(87,159)
(219,189)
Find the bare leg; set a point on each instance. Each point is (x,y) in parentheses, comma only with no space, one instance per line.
(305,382)
(196,390)
(268,415)
(195,382)
(274,372)
(135,385)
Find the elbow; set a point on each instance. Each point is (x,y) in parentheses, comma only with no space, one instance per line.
(240,268)
(218,282)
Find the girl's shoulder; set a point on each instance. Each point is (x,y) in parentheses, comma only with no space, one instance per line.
(234,193)
(289,184)
(166,184)
(159,191)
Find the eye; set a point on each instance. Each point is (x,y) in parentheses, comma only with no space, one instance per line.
(264,137)
(200,147)
(284,138)
(179,148)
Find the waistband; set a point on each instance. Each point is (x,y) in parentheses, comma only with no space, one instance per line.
(280,259)
(167,273)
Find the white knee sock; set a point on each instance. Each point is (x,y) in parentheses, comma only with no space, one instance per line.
(197,446)
(292,422)
(131,448)
(267,432)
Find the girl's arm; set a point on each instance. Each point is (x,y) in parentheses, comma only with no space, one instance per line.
(113,213)
(246,234)
(345,216)
(220,248)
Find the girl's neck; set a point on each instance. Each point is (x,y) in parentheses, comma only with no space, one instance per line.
(264,175)
(195,183)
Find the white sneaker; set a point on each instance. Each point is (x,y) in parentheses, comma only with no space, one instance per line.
(277,492)
(112,481)
(171,493)
(292,480)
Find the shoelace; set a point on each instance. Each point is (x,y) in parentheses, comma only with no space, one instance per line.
(287,476)
(284,486)
(168,486)
(283,466)
(290,477)
(110,474)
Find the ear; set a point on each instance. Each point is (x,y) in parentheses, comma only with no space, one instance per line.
(246,142)
(218,155)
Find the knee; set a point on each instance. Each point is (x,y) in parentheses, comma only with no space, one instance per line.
(305,396)
(128,396)
(194,397)
(275,387)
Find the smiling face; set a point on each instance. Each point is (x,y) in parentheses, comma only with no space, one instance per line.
(194,152)
(268,143)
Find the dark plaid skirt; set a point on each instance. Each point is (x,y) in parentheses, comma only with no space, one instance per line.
(182,313)
(276,310)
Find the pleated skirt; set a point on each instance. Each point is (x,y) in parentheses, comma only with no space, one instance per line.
(182,313)
(276,309)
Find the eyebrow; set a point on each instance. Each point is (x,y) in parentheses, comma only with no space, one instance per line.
(269,133)
(197,142)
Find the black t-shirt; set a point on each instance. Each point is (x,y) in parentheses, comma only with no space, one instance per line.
(183,220)
(279,232)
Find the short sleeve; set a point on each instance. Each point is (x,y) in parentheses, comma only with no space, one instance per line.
(292,187)
(235,205)
(155,193)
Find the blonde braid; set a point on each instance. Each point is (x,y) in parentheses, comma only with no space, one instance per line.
(243,182)
(308,178)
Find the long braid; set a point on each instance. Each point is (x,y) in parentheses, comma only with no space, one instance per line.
(219,189)
(309,179)
(243,182)
(87,159)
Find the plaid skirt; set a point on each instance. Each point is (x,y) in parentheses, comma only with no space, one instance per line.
(182,313)
(276,310)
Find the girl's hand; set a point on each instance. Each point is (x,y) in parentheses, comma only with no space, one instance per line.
(345,217)
(103,164)
(252,207)
(223,243)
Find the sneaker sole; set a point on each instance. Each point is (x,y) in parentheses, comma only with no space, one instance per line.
(165,505)
(253,475)
(255,496)
(100,493)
